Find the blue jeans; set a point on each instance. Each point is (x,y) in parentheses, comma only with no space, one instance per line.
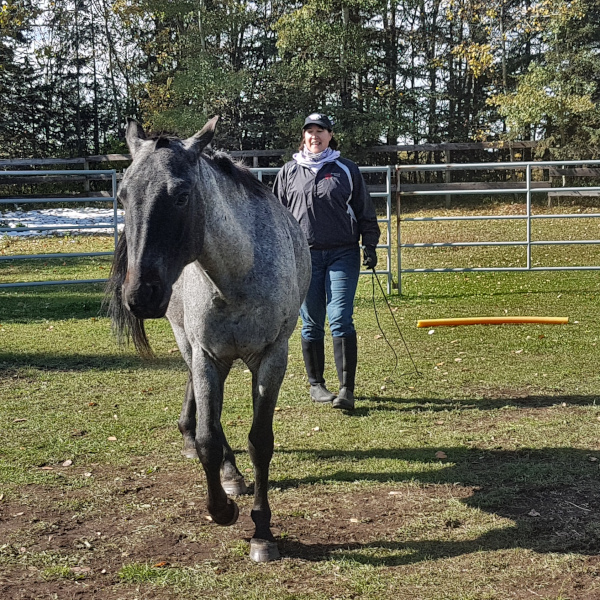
(331,293)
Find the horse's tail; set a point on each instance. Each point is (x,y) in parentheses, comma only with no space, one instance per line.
(125,325)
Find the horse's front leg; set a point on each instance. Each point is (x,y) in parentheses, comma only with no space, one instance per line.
(231,478)
(266,381)
(209,379)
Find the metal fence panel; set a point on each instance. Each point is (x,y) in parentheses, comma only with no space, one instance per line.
(90,175)
(527,189)
(387,220)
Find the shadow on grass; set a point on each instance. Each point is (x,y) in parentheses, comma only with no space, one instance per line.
(11,362)
(551,494)
(31,304)
(497,398)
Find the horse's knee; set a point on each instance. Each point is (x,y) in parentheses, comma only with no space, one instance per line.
(209,449)
(261,446)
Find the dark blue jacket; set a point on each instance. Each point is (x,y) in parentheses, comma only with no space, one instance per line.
(331,211)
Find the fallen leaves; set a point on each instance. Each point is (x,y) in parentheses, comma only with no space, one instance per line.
(441,455)
(111,438)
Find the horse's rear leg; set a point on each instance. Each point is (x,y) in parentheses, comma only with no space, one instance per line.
(187,420)
(232,480)
(266,382)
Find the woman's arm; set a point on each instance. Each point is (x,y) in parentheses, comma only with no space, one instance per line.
(279,186)
(363,208)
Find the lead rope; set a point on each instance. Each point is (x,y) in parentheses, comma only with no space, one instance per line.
(373,278)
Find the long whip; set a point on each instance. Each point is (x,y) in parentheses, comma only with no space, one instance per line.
(373,278)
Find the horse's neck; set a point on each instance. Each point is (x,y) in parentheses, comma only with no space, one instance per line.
(228,249)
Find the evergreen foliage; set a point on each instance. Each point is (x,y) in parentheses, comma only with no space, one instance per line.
(386,71)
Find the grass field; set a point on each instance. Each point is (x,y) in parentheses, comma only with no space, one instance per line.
(476,479)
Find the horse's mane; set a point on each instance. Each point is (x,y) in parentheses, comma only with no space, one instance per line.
(238,172)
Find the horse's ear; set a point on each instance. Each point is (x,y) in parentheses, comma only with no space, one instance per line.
(200,140)
(134,136)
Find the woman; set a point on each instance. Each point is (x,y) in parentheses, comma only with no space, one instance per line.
(328,197)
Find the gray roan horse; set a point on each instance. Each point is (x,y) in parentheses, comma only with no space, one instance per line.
(209,246)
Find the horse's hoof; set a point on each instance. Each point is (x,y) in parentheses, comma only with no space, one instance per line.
(263,550)
(232,519)
(189,453)
(235,487)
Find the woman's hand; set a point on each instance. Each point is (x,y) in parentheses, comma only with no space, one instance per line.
(369,257)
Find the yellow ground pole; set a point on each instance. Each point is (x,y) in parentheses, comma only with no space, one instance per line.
(490,321)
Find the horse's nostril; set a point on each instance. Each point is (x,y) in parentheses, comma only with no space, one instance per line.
(146,297)
(153,290)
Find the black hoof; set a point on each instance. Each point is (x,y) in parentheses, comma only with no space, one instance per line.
(227,521)
(263,551)
(235,487)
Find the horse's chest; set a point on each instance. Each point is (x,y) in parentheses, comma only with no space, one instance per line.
(236,330)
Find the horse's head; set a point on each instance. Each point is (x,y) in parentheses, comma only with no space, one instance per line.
(164,215)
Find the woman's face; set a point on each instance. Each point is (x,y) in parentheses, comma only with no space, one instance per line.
(317,139)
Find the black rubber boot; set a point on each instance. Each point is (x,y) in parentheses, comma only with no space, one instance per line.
(314,361)
(345,354)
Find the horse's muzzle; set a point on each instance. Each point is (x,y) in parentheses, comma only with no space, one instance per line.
(146,297)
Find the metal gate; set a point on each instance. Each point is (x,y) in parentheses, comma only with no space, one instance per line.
(386,193)
(527,187)
(89,175)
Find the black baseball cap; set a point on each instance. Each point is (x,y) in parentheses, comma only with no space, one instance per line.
(318,119)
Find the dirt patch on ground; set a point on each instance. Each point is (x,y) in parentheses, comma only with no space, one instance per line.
(159,520)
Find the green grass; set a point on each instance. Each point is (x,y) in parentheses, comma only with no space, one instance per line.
(514,408)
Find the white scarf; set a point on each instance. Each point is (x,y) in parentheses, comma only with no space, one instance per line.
(306,158)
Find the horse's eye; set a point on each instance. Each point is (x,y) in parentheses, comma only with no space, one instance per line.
(182,199)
